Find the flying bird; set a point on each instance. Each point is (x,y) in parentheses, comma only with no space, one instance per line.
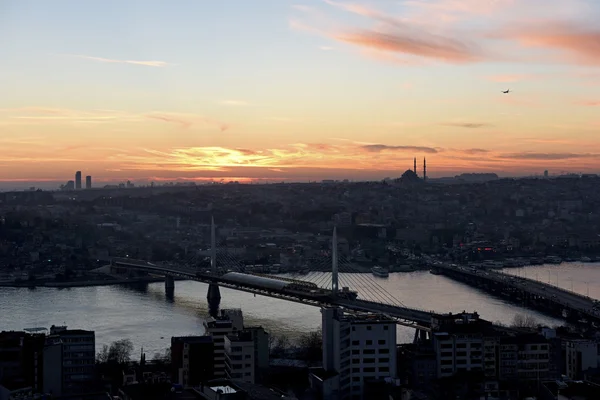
(506,91)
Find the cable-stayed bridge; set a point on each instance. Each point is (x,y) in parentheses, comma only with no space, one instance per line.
(316,288)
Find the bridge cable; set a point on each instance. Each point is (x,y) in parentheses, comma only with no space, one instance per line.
(378,288)
(361,284)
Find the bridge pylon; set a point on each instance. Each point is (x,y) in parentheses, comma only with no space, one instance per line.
(214,293)
(334,262)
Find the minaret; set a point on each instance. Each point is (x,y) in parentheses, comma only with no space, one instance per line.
(424,169)
(415,166)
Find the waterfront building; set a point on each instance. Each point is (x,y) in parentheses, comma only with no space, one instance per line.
(357,349)
(78,358)
(226,323)
(247,354)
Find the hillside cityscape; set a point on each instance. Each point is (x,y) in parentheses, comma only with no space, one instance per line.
(467,230)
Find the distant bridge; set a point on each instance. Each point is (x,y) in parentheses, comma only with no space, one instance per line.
(548,298)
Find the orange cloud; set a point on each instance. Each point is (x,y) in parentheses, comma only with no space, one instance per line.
(577,43)
(589,103)
(376,148)
(300,161)
(429,46)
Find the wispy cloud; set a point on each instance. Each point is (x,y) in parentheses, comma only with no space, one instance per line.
(187,120)
(399,36)
(589,103)
(325,48)
(573,42)
(115,61)
(469,125)
(376,148)
(475,151)
(492,31)
(548,156)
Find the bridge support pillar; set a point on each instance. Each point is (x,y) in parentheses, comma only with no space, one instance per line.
(169,283)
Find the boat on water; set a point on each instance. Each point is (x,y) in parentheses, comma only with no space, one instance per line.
(380,272)
(585,259)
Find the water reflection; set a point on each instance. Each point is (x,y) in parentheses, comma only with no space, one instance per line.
(149,316)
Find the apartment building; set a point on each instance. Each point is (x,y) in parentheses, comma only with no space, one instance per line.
(580,356)
(458,341)
(357,349)
(226,323)
(247,355)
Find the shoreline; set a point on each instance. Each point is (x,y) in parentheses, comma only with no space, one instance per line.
(101,282)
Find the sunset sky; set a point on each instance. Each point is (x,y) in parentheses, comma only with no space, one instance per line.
(296,90)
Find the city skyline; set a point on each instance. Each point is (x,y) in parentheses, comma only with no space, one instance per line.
(297,90)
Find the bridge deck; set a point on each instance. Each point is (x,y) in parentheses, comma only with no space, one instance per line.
(582,304)
(322,297)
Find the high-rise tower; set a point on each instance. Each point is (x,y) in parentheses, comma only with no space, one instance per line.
(415,166)
(78,180)
(424,169)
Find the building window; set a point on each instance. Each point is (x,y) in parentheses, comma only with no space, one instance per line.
(356,379)
(384,369)
(385,327)
(368,360)
(384,351)
(369,369)
(356,370)
(381,341)
(384,360)
(369,351)
(355,343)
(355,352)
(369,342)
(368,327)
(353,328)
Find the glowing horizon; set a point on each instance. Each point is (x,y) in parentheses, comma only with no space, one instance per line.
(297,90)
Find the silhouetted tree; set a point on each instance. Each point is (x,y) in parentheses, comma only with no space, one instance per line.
(311,346)
(119,352)
(524,321)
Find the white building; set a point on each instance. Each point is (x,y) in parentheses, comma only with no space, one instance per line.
(247,355)
(581,355)
(239,357)
(227,323)
(356,349)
